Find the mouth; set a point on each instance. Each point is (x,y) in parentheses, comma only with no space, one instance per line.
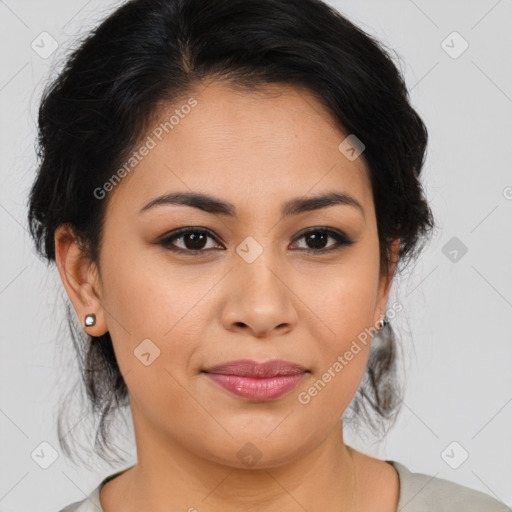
(253,369)
(257,382)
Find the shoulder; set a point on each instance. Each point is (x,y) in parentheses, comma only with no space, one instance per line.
(89,504)
(426,493)
(92,502)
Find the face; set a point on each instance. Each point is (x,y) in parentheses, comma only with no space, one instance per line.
(253,284)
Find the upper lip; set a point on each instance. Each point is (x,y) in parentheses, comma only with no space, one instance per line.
(248,368)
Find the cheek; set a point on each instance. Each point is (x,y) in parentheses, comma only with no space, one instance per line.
(344,303)
(147,295)
(150,310)
(153,325)
(347,341)
(342,348)
(343,296)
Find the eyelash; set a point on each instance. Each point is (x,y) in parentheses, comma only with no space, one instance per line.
(341,240)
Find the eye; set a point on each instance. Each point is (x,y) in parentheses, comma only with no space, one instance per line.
(194,240)
(319,236)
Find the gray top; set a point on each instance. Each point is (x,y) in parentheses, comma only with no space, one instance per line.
(418,493)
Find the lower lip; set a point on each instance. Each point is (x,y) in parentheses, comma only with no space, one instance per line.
(257,389)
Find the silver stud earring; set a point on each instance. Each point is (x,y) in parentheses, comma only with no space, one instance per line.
(383,322)
(90,320)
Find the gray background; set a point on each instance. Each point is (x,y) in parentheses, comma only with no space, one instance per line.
(457,319)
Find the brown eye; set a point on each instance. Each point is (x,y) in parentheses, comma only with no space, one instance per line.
(193,240)
(317,238)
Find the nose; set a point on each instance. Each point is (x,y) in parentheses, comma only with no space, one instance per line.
(258,298)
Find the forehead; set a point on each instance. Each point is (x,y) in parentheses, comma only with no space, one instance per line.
(242,145)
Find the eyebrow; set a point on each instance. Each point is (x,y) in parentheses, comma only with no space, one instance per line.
(214,205)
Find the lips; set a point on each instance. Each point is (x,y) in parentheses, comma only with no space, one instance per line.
(257,382)
(248,368)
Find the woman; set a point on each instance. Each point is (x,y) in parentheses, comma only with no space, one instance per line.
(227,189)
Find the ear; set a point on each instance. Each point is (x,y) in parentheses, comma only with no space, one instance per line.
(80,278)
(386,280)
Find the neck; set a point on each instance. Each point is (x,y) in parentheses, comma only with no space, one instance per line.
(168,475)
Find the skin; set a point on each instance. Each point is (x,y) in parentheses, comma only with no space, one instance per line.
(255,150)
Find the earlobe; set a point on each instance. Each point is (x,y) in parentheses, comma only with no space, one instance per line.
(80,279)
